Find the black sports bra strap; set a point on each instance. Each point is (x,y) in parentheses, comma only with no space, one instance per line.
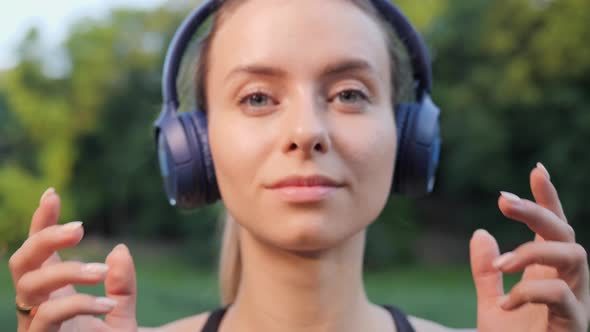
(214,320)
(399,317)
(401,320)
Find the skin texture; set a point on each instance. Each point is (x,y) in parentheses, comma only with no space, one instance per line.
(553,294)
(302,127)
(302,263)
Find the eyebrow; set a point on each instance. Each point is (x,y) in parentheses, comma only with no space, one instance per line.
(332,69)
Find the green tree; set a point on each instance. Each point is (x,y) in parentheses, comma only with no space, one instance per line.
(513,78)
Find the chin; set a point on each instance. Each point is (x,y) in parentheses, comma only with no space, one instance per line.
(312,233)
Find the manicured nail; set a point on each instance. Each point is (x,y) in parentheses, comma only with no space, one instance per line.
(106,302)
(480,232)
(72,226)
(47,192)
(120,247)
(502,260)
(542,168)
(95,268)
(510,197)
(502,300)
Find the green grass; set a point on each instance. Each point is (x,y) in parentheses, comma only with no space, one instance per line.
(169,290)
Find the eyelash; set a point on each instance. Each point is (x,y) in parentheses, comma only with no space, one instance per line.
(360,93)
(244,99)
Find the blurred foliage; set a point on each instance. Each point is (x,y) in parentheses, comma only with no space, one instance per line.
(512,78)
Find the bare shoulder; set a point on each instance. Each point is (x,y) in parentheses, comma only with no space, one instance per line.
(189,324)
(423,325)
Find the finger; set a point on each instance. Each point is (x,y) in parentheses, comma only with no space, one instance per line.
(540,220)
(50,315)
(483,249)
(43,244)
(569,259)
(544,191)
(47,213)
(554,293)
(120,284)
(34,287)
(563,256)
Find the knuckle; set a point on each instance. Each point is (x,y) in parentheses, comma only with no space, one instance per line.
(73,266)
(70,270)
(32,243)
(518,291)
(82,300)
(51,232)
(526,253)
(44,312)
(571,233)
(580,254)
(526,248)
(14,262)
(562,291)
(24,287)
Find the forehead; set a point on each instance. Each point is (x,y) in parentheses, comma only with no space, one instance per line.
(300,36)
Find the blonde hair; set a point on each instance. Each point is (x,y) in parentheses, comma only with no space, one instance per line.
(230,261)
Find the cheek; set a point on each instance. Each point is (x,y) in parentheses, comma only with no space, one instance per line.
(234,150)
(370,154)
(239,148)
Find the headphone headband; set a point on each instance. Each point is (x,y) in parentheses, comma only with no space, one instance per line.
(406,32)
(182,139)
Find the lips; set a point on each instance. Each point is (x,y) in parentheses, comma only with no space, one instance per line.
(305,189)
(305,181)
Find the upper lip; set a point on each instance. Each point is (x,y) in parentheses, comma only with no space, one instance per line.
(305,181)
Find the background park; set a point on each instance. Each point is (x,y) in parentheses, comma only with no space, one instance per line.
(512,78)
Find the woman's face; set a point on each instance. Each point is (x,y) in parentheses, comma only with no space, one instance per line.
(301,88)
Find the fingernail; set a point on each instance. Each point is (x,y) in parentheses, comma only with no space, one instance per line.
(502,300)
(95,268)
(542,168)
(480,232)
(120,247)
(106,302)
(47,192)
(510,197)
(502,260)
(69,227)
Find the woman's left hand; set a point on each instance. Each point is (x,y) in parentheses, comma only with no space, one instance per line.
(554,292)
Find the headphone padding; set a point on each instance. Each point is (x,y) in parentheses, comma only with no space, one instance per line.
(418,148)
(199,122)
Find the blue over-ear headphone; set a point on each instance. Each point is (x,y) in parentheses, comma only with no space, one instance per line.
(182,139)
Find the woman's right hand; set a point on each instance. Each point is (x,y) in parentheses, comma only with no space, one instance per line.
(43,281)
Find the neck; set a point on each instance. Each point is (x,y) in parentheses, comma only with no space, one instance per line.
(285,291)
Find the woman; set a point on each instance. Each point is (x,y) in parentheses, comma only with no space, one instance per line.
(292,257)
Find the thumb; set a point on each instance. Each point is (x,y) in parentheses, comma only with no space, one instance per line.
(483,249)
(120,285)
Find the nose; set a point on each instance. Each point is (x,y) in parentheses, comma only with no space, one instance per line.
(306,129)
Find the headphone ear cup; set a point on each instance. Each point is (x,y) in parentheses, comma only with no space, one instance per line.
(185,160)
(418,148)
(402,112)
(200,186)
(206,173)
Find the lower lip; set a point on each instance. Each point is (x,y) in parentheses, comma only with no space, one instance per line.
(305,194)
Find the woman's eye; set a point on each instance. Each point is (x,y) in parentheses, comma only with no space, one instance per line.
(255,99)
(352,96)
